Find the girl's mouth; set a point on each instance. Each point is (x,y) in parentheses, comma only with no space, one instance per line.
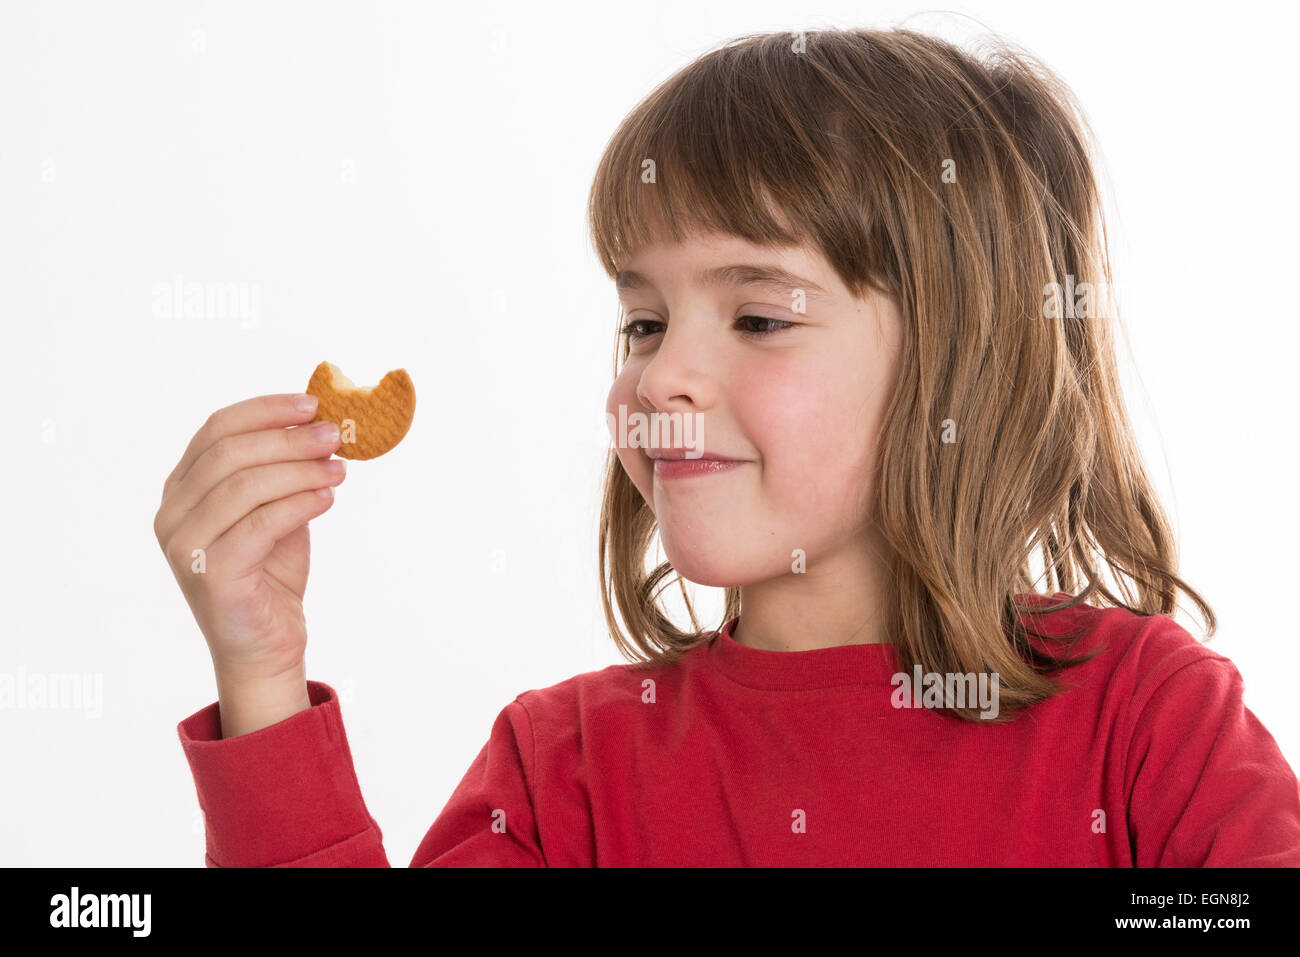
(682,468)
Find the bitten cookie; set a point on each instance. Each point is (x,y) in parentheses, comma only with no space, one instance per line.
(372,419)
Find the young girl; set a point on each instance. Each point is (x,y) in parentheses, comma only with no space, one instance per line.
(868,271)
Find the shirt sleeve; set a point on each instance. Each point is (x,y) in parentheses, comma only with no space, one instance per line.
(1208,785)
(287,795)
(490,820)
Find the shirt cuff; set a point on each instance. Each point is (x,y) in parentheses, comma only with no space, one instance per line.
(279,794)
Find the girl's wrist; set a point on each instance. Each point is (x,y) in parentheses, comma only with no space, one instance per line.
(250,704)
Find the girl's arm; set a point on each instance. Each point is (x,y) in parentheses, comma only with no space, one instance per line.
(287,795)
(1208,785)
(270,758)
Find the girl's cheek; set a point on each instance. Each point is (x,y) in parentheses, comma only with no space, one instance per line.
(782,412)
(810,434)
(621,394)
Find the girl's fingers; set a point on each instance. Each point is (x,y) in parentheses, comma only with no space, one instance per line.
(260,412)
(244,492)
(235,453)
(251,539)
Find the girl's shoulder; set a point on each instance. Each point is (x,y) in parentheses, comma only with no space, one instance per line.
(1147,643)
(1134,656)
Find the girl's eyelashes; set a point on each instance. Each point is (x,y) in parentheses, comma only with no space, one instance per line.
(629,329)
(779,325)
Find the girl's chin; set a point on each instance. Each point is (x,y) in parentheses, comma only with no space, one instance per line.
(715,563)
(714,578)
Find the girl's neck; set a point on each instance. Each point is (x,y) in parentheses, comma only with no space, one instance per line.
(837,600)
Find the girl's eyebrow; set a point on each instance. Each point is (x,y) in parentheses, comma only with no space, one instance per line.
(739,274)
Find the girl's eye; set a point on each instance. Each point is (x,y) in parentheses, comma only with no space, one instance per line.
(776,325)
(629,330)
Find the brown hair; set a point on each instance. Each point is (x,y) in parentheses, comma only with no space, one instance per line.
(963,188)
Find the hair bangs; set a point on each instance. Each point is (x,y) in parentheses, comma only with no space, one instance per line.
(720,148)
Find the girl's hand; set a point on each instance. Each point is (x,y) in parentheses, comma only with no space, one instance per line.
(233,525)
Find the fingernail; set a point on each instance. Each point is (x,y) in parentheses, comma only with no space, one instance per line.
(326,492)
(305,403)
(325,432)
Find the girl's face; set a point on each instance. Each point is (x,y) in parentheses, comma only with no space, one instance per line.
(794,386)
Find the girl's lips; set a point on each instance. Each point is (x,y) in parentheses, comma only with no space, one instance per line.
(681,468)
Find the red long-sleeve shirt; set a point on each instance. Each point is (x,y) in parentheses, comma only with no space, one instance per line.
(740,756)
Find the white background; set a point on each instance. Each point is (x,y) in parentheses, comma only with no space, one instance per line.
(405,185)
